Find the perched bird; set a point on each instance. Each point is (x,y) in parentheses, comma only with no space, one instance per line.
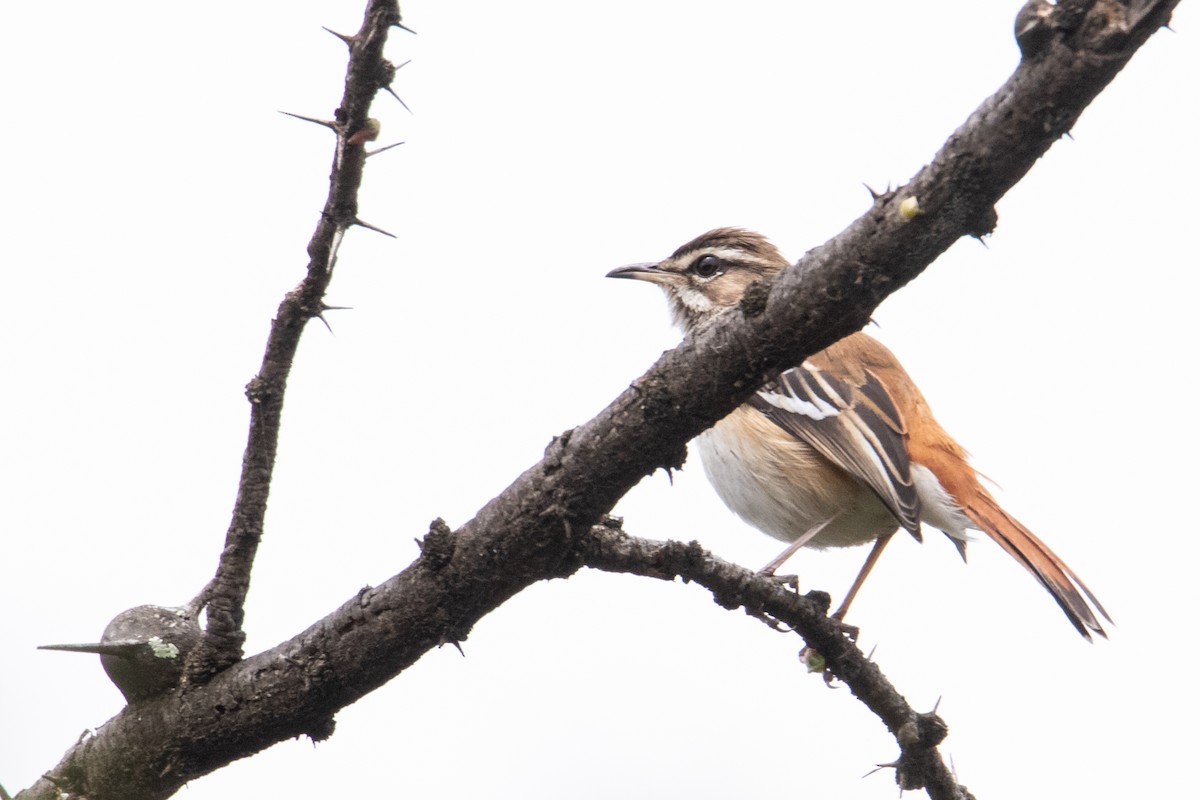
(841,449)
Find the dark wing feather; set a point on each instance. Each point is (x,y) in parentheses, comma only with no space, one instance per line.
(857,427)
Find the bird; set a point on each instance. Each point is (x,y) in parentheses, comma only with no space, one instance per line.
(841,449)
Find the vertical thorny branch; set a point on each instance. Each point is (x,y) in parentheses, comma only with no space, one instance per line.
(368,72)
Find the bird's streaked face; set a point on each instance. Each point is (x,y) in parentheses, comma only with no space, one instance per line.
(709,273)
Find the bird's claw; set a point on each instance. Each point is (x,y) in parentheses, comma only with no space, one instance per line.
(790,581)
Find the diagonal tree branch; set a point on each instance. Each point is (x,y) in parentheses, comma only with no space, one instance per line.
(541,527)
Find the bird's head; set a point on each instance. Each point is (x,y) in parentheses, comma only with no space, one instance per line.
(709,273)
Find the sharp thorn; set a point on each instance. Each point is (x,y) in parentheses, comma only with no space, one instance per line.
(324,123)
(326,307)
(399,99)
(371,227)
(404,27)
(453,642)
(382,149)
(405,64)
(324,321)
(874,194)
(349,40)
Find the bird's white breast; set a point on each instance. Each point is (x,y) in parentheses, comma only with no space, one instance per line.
(780,485)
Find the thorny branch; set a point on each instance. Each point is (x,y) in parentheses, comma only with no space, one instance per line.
(368,72)
(608,548)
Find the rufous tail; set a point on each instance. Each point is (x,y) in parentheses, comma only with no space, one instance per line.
(1063,584)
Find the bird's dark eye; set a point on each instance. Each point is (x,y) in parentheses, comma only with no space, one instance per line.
(707,265)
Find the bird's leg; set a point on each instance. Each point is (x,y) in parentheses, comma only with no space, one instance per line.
(804,539)
(814,660)
(872,557)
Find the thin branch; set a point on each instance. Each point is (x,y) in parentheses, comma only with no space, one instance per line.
(223,640)
(608,548)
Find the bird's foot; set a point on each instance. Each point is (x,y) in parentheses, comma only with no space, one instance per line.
(847,630)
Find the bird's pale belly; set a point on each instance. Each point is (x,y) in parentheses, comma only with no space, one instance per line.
(791,488)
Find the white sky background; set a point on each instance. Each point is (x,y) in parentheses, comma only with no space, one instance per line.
(157,208)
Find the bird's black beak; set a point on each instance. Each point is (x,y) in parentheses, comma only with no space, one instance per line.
(642,272)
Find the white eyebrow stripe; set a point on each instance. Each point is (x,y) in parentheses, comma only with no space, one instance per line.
(729,254)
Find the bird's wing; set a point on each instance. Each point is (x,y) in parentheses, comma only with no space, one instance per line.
(855,424)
